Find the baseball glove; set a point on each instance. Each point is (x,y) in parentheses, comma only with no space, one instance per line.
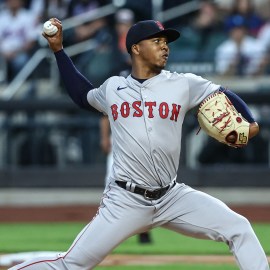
(219,119)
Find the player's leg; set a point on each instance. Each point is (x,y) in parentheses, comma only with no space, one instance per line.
(120,216)
(199,215)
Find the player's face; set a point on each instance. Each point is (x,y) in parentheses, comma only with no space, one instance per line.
(154,52)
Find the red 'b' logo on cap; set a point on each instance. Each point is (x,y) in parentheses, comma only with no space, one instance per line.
(160,26)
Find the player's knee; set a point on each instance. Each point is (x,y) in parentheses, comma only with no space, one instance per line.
(244,224)
(83,263)
(240,228)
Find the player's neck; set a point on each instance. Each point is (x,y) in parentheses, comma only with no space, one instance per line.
(139,80)
(143,73)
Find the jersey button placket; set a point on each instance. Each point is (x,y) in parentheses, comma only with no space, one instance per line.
(149,128)
(144,97)
(148,121)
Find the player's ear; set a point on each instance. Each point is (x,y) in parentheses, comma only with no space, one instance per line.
(135,49)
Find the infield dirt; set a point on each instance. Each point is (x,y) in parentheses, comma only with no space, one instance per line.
(253,213)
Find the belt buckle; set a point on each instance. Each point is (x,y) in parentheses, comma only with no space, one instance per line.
(147,197)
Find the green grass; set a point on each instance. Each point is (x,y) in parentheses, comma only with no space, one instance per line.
(19,237)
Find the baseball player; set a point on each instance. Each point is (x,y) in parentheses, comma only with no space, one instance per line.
(146,112)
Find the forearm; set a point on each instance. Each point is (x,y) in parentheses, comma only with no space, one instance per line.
(105,134)
(76,84)
(242,108)
(104,127)
(239,105)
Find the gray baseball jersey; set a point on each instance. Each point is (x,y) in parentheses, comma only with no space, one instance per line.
(146,121)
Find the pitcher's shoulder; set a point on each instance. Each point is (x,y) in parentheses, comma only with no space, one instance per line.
(116,82)
(175,75)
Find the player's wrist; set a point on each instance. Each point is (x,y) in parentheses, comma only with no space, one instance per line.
(58,51)
(253,129)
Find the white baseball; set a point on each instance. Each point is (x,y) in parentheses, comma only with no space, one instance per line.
(49,29)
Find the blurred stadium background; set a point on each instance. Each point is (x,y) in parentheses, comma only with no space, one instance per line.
(50,150)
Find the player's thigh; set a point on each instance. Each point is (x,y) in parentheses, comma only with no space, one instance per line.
(203,216)
(116,220)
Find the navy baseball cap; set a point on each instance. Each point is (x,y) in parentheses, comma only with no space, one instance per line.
(148,29)
(236,21)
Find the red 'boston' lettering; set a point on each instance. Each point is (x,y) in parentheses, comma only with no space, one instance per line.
(175,112)
(150,104)
(138,111)
(114,111)
(163,110)
(125,109)
(136,108)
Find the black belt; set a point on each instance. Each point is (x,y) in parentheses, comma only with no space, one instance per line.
(149,194)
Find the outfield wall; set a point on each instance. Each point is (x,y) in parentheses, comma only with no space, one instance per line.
(91,196)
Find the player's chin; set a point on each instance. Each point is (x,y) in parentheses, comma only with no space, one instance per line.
(158,68)
(164,58)
(162,64)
